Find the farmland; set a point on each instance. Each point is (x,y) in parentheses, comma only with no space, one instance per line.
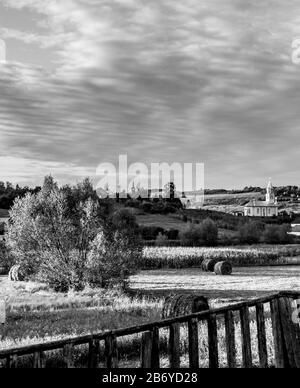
(37,314)
(155,258)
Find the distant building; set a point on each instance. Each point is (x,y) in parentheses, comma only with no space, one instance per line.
(193,200)
(295,230)
(267,208)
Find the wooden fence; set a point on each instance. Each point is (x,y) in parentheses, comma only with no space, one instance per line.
(286,336)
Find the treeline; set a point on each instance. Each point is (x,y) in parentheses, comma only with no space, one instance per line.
(9,192)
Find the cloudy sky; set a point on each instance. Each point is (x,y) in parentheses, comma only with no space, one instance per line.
(207,81)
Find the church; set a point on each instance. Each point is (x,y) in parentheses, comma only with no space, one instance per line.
(267,208)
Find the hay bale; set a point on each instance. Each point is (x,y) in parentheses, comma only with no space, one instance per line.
(16,274)
(223,268)
(183,304)
(208,265)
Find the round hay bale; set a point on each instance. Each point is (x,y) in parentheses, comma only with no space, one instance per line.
(208,265)
(15,274)
(183,304)
(11,273)
(223,268)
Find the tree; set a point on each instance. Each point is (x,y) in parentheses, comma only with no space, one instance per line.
(209,232)
(54,236)
(170,190)
(250,233)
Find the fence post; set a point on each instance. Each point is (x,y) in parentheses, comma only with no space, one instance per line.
(230,339)
(174,346)
(111,352)
(246,337)
(261,336)
(38,360)
(146,350)
(213,341)
(94,351)
(68,355)
(281,354)
(291,332)
(155,359)
(193,343)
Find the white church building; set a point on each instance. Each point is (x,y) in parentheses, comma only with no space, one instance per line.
(267,208)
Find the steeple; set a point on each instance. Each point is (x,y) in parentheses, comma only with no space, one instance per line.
(270,196)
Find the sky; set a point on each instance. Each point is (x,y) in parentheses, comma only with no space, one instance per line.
(193,81)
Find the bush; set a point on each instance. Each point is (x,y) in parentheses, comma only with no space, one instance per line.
(276,234)
(173,234)
(250,233)
(161,240)
(209,232)
(205,233)
(111,262)
(6,259)
(150,232)
(146,207)
(191,235)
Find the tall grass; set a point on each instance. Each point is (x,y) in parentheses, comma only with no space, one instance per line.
(179,257)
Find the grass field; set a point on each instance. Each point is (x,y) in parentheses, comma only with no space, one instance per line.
(244,283)
(37,314)
(185,257)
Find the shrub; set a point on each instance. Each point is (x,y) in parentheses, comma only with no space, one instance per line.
(209,232)
(150,232)
(277,234)
(112,261)
(146,207)
(161,240)
(173,234)
(191,235)
(250,233)
(205,233)
(6,258)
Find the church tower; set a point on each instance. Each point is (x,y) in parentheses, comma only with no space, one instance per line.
(270,197)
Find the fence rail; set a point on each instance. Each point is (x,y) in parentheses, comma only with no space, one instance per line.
(286,335)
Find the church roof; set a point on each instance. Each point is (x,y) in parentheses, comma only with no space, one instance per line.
(260,204)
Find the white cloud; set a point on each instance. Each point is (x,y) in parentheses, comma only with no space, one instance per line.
(161,80)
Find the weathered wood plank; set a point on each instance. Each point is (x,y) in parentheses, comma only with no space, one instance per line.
(261,336)
(38,360)
(174,346)
(193,343)
(281,357)
(246,337)
(146,350)
(111,352)
(155,348)
(213,342)
(94,354)
(68,355)
(80,340)
(230,339)
(290,332)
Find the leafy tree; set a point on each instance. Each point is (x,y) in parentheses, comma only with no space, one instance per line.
(54,235)
(250,233)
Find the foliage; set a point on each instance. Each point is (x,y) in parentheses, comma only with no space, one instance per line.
(52,235)
(277,234)
(250,233)
(6,259)
(184,257)
(205,233)
(161,240)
